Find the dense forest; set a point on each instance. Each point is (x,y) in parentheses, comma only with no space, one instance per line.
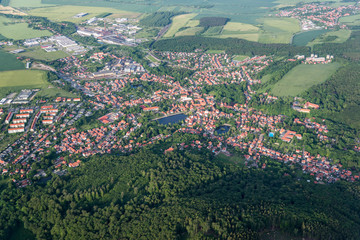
(180,195)
(207,22)
(230,45)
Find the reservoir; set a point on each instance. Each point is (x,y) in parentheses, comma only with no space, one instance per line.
(301,39)
(172,119)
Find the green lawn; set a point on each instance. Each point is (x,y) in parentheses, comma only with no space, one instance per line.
(240,57)
(53,92)
(19,31)
(41,54)
(179,22)
(189,31)
(302,77)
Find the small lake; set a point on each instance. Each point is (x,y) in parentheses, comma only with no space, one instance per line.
(222,129)
(304,38)
(136,86)
(172,119)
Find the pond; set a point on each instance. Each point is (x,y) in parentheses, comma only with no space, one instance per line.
(301,39)
(172,119)
(222,129)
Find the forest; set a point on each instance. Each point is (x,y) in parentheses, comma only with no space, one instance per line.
(180,195)
(230,45)
(158,19)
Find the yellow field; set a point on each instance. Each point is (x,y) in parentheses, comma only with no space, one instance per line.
(192,23)
(240,27)
(10,10)
(179,22)
(67,13)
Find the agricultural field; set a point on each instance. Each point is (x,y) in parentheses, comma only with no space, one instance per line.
(9,62)
(11,10)
(351,20)
(189,31)
(278,30)
(303,77)
(213,31)
(179,22)
(67,13)
(41,54)
(339,36)
(28,4)
(18,30)
(236,27)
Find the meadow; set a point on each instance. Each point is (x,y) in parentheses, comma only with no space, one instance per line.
(278,30)
(19,30)
(351,20)
(28,4)
(303,77)
(67,13)
(189,31)
(41,54)
(9,62)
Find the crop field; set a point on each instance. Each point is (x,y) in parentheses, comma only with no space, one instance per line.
(192,23)
(189,31)
(303,77)
(28,4)
(9,62)
(19,31)
(179,22)
(67,13)
(40,54)
(10,10)
(339,36)
(276,30)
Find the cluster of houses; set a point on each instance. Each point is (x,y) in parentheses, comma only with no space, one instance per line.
(322,15)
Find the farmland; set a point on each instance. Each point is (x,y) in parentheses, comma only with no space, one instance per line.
(27,4)
(303,77)
(339,36)
(9,62)
(19,30)
(278,30)
(67,13)
(351,20)
(179,22)
(189,31)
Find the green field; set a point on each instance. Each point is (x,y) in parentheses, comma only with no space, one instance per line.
(303,38)
(19,31)
(339,36)
(278,30)
(213,31)
(50,92)
(239,27)
(302,77)
(41,54)
(240,57)
(179,22)
(67,13)
(351,20)
(189,31)
(9,62)
(28,4)
(254,37)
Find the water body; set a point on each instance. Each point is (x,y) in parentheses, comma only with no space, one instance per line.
(172,119)
(301,39)
(136,86)
(222,129)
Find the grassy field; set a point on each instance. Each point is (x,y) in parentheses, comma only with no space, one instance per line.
(351,20)
(51,91)
(67,13)
(41,54)
(179,22)
(213,31)
(19,31)
(339,36)
(215,51)
(240,57)
(189,31)
(247,36)
(302,77)
(192,23)
(233,159)
(9,62)
(278,30)
(28,4)
(236,27)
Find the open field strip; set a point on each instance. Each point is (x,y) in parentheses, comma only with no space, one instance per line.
(303,77)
